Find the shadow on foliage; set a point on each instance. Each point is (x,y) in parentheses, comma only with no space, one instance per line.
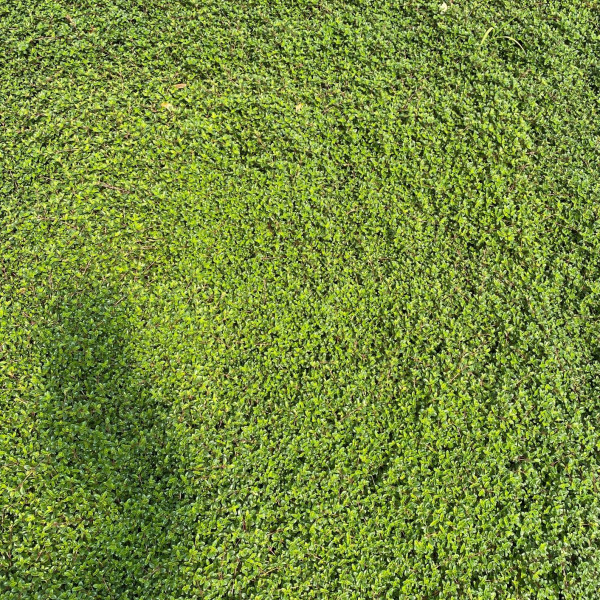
(113,481)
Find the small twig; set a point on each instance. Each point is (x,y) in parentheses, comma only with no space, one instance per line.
(113,187)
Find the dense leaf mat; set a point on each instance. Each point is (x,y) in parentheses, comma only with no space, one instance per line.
(299,299)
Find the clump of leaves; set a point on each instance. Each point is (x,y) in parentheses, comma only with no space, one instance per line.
(299,300)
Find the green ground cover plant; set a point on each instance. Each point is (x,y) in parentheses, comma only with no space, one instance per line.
(299,299)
